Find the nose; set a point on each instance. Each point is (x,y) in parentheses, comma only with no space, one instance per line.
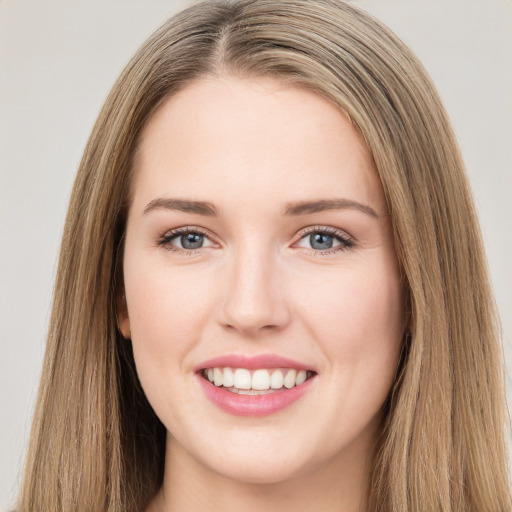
(254,296)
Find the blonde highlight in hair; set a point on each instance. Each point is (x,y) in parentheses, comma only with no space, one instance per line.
(97,445)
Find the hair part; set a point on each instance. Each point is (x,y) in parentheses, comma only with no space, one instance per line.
(96,444)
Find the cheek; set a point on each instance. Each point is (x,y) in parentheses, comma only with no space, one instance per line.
(357,319)
(167,309)
(160,298)
(358,324)
(167,315)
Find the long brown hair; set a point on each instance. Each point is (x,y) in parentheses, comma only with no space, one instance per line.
(96,443)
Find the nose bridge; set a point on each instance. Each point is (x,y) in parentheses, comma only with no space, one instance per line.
(254,297)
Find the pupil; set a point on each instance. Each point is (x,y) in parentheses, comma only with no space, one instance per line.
(191,241)
(320,241)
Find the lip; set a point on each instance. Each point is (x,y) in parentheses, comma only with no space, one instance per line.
(252,362)
(253,405)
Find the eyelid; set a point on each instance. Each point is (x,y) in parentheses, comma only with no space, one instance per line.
(330,230)
(186,229)
(165,239)
(347,241)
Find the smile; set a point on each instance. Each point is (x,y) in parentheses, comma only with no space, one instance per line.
(254,386)
(256,382)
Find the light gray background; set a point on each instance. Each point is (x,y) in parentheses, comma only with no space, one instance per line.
(58,60)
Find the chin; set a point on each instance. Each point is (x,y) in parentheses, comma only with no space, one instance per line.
(254,460)
(261,472)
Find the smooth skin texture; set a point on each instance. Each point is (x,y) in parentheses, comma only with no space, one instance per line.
(258,283)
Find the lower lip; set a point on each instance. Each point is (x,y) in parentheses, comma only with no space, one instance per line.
(254,405)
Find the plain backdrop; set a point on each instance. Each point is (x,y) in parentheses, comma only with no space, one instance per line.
(58,60)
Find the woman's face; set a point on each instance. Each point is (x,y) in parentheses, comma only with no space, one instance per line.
(258,240)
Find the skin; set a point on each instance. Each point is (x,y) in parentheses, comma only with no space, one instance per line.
(258,286)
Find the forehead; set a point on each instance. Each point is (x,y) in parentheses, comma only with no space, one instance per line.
(252,136)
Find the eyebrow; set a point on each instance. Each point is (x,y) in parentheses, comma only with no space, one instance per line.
(309,207)
(182,205)
(293,209)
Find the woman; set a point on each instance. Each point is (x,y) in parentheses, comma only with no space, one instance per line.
(272,290)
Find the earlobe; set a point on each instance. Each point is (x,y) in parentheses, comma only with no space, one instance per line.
(123,320)
(124,326)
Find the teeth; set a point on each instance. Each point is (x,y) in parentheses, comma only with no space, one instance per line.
(302,375)
(229,378)
(277,380)
(289,380)
(218,377)
(240,380)
(260,380)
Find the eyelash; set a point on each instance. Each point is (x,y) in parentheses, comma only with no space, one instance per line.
(166,239)
(346,242)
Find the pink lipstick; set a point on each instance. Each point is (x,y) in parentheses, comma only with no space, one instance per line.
(254,386)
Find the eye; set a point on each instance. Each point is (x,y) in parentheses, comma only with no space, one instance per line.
(324,240)
(185,240)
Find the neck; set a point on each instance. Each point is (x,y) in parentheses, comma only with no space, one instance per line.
(341,485)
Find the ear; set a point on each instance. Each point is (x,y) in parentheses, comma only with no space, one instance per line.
(123,319)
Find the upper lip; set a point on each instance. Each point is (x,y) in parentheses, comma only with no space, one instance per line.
(252,362)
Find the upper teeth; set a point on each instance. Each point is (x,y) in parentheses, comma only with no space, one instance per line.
(261,379)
